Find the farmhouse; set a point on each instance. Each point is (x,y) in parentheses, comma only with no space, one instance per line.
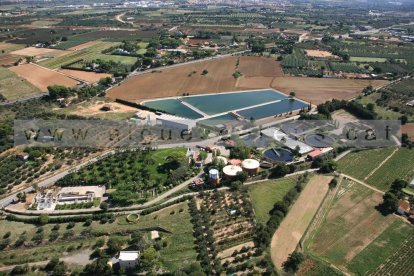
(69,195)
(403,207)
(128,259)
(411,103)
(318,153)
(155,235)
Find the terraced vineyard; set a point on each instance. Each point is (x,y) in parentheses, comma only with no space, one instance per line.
(401,262)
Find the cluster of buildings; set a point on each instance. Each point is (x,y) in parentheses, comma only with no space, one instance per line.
(48,199)
(231,169)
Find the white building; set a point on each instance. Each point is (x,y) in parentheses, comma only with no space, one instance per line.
(128,259)
(175,122)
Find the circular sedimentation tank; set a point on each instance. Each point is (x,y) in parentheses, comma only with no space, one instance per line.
(319,140)
(279,155)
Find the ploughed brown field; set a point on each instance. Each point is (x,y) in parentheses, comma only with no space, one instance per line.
(42,77)
(90,77)
(257,73)
(38,52)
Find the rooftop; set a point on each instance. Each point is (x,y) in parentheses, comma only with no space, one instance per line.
(128,255)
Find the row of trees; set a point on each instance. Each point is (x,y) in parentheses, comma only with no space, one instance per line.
(264,233)
(391,198)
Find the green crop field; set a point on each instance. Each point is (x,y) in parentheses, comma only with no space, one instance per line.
(351,223)
(367,59)
(13,87)
(90,53)
(360,163)
(265,194)
(383,247)
(400,165)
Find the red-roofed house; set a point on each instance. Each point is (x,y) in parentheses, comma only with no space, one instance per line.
(403,207)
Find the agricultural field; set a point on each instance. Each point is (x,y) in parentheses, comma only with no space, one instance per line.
(313,267)
(351,224)
(39,52)
(42,77)
(229,232)
(265,194)
(384,112)
(43,242)
(317,90)
(396,97)
(398,166)
(409,130)
(360,164)
(319,54)
(9,47)
(266,74)
(390,253)
(135,176)
(294,225)
(176,81)
(89,53)
(90,77)
(94,109)
(13,87)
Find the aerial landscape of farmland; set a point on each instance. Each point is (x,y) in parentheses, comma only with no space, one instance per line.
(225,137)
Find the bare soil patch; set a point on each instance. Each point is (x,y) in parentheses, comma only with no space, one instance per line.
(39,52)
(228,252)
(258,73)
(90,77)
(259,67)
(351,224)
(409,130)
(292,228)
(319,90)
(42,77)
(7,59)
(83,46)
(95,108)
(179,80)
(320,53)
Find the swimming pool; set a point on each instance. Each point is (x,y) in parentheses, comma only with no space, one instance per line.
(272,109)
(219,103)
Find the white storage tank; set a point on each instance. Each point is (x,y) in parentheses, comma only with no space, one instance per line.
(213,174)
(232,170)
(250,166)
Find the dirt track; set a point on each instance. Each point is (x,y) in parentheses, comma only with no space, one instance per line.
(292,228)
